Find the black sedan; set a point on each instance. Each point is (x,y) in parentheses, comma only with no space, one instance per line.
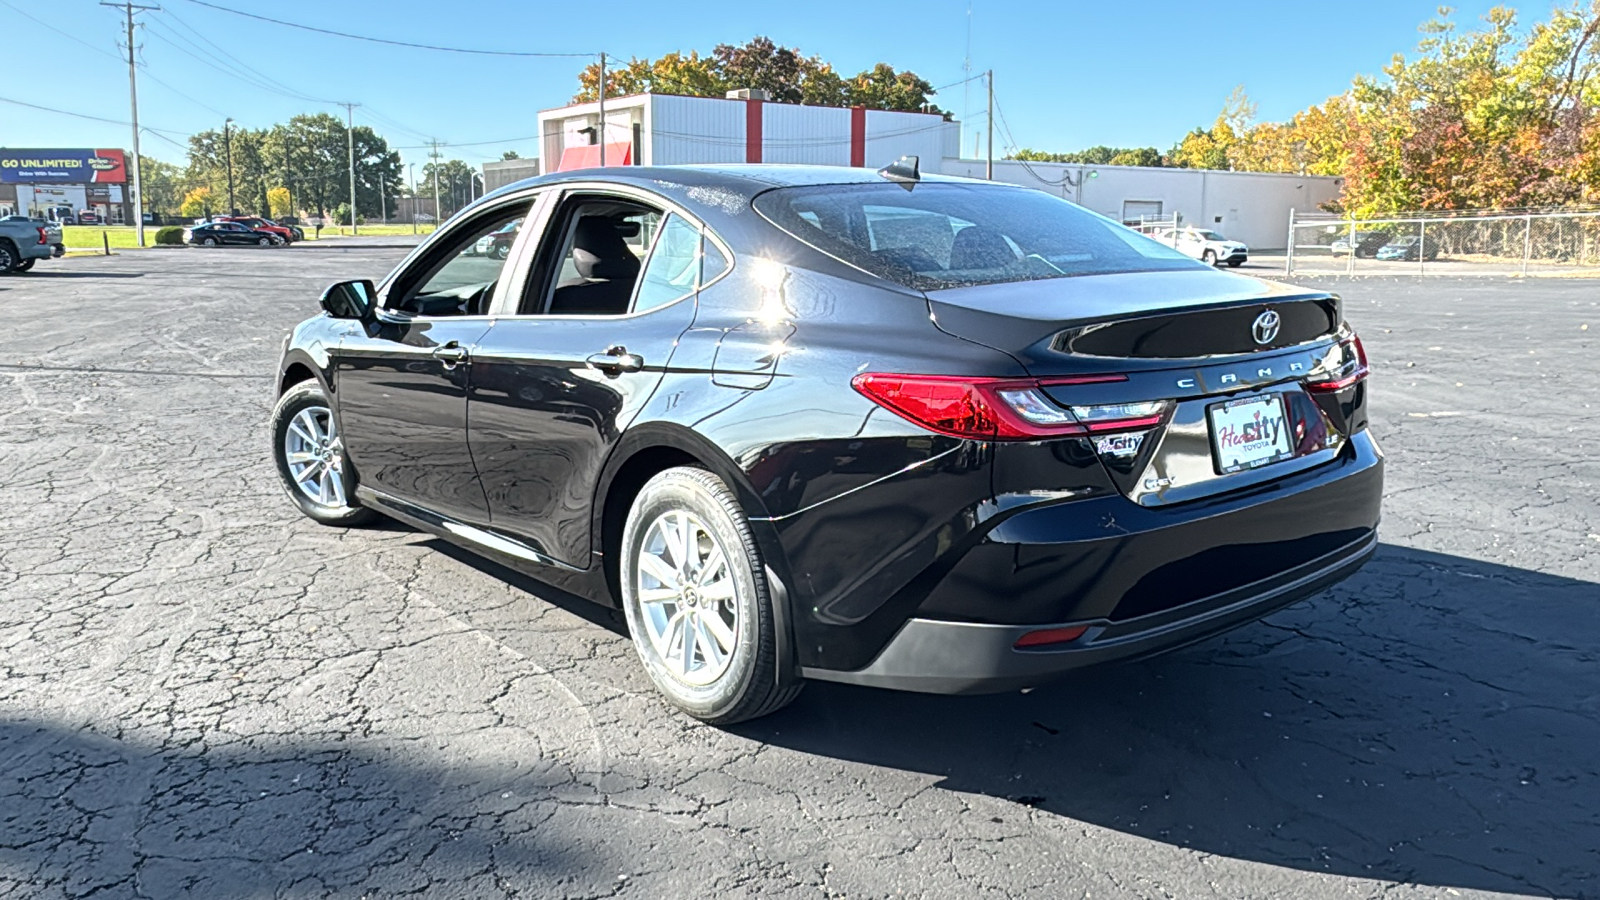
(214,234)
(821,423)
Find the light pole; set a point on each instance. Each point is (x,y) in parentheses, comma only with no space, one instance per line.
(227,144)
(413,169)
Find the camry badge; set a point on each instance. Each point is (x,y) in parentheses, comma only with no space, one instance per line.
(1265,327)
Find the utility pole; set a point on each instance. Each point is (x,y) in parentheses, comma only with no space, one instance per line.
(438,212)
(133,99)
(988,170)
(413,169)
(383,203)
(227,144)
(350,139)
(602,129)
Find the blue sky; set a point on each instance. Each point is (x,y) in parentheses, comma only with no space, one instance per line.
(1068,74)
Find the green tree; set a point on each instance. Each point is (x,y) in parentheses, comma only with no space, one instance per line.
(278,203)
(162,185)
(197,203)
(455,185)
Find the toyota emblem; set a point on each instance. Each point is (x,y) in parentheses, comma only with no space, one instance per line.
(1265,327)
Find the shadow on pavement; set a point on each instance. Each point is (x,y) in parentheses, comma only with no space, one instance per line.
(1433,720)
(85,814)
(58,273)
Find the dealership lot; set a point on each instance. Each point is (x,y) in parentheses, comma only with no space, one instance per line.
(204,694)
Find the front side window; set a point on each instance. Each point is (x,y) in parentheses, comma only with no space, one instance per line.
(460,273)
(947,235)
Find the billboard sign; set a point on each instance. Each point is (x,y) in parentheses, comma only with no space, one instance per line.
(54,166)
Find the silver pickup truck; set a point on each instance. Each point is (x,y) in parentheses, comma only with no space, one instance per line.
(24,239)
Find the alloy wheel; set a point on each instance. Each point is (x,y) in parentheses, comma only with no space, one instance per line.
(687,596)
(315,456)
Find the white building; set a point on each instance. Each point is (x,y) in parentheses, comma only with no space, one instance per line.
(662,129)
(665,130)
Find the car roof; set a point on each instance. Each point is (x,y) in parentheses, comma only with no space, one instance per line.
(745,179)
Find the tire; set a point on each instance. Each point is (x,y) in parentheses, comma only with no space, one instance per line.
(306,400)
(264,242)
(500,251)
(745,683)
(1235,263)
(9,258)
(1209,258)
(210,242)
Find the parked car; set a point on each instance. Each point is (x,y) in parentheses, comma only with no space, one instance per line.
(259,224)
(88,217)
(213,234)
(1209,247)
(924,433)
(1410,247)
(1368,243)
(24,240)
(498,244)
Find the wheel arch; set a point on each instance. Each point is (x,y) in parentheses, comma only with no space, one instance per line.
(299,366)
(653,447)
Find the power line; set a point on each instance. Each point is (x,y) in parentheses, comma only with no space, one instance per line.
(71,37)
(75,115)
(374,40)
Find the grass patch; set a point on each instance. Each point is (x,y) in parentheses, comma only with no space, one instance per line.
(374,230)
(88,237)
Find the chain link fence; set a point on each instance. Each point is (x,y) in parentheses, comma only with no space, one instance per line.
(1530,243)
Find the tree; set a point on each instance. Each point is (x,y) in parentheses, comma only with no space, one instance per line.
(1097,156)
(161,185)
(278,204)
(197,203)
(455,184)
(510,154)
(784,72)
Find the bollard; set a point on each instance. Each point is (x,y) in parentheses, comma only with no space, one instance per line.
(105,241)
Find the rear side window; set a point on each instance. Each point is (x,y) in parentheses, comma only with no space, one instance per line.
(935,236)
(674,263)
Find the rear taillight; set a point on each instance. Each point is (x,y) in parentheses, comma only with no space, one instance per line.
(44,236)
(1002,409)
(1345,364)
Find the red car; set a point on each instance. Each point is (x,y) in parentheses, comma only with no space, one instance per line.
(259,224)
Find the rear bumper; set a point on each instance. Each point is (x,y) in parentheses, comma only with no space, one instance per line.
(1143,580)
(942,657)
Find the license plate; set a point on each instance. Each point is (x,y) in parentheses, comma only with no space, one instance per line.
(1249,433)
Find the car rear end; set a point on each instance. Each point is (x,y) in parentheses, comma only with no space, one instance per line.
(1186,452)
(38,239)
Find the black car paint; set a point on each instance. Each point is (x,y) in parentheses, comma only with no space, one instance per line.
(865,520)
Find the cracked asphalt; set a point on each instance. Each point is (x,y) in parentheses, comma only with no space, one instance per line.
(203,694)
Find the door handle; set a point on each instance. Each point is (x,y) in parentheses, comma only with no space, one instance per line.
(450,354)
(616,360)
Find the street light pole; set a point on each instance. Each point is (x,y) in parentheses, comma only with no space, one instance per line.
(602,110)
(350,139)
(227,143)
(988,170)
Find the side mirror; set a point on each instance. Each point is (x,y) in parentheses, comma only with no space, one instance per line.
(349,299)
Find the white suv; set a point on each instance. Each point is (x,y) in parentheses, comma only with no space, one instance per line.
(1206,246)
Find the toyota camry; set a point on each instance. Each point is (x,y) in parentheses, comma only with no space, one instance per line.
(814,423)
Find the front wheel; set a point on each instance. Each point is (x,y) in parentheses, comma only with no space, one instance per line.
(695,594)
(210,242)
(1209,258)
(500,251)
(310,458)
(264,242)
(1235,263)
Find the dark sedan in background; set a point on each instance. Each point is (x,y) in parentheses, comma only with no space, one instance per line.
(213,234)
(821,423)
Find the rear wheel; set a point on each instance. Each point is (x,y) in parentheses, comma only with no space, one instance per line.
(309,452)
(695,594)
(9,258)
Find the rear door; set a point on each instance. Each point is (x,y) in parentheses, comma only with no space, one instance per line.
(556,383)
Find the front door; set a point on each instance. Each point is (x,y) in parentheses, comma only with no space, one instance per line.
(554,386)
(400,384)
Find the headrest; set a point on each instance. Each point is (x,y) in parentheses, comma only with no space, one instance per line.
(980,247)
(599,252)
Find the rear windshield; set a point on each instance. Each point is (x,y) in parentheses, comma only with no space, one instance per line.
(940,235)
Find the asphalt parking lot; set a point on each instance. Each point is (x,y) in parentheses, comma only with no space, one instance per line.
(203,694)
